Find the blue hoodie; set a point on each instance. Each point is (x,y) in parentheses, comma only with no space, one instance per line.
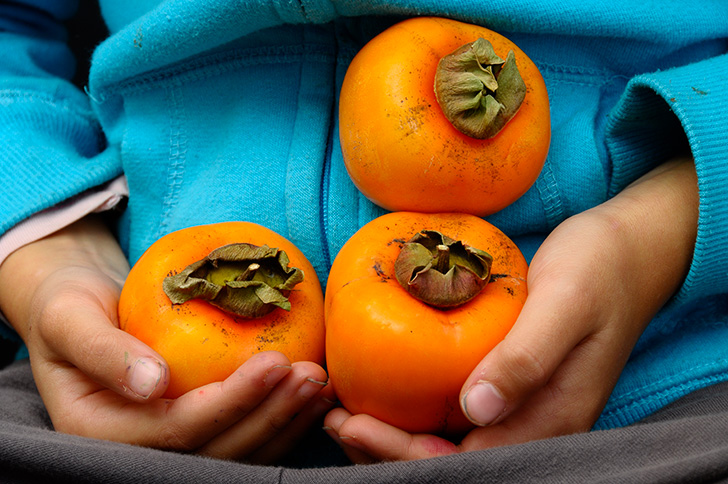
(226,109)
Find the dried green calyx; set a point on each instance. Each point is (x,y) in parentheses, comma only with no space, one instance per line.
(478,91)
(440,271)
(242,279)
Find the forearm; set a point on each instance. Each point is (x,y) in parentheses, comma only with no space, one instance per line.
(658,215)
(638,135)
(87,244)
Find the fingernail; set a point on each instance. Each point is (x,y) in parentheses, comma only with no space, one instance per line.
(311,387)
(275,375)
(323,405)
(483,404)
(145,374)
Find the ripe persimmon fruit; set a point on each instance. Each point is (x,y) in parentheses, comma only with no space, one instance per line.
(403,359)
(208,297)
(437,115)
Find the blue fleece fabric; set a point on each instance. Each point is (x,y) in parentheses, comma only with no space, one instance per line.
(226,109)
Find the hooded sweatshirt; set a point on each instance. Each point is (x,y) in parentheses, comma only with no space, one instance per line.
(222,110)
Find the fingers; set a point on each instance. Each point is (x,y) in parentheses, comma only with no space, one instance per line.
(309,417)
(356,452)
(264,407)
(365,439)
(532,386)
(210,410)
(566,404)
(76,324)
(526,359)
(282,416)
(568,280)
(569,403)
(99,381)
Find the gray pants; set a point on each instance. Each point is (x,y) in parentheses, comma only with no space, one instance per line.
(685,442)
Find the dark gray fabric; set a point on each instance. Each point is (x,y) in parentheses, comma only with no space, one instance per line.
(685,442)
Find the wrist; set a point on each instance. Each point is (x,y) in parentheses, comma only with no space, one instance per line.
(86,244)
(659,215)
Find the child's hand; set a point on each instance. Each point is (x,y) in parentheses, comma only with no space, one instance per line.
(594,284)
(61,295)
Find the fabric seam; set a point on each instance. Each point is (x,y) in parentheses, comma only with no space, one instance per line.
(219,63)
(177,155)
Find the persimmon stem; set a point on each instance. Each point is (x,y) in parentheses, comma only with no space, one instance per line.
(440,271)
(249,272)
(478,91)
(230,277)
(442,259)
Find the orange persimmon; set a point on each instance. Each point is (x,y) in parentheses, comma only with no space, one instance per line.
(201,340)
(400,148)
(402,360)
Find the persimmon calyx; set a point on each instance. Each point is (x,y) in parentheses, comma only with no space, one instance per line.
(440,271)
(242,279)
(478,91)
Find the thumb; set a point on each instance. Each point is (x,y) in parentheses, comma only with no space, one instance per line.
(145,374)
(521,364)
(119,361)
(81,331)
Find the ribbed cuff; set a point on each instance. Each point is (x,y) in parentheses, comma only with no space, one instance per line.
(641,133)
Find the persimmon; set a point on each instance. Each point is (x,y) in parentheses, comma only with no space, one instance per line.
(437,115)
(208,297)
(403,359)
